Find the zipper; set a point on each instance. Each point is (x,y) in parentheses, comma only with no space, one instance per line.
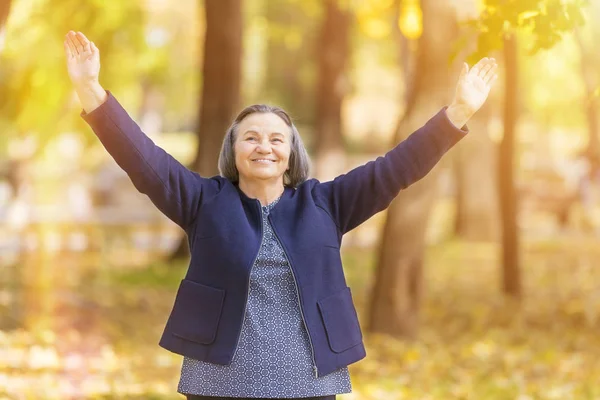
(248,283)
(314,366)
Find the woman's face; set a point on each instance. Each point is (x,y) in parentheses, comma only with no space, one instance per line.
(262,148)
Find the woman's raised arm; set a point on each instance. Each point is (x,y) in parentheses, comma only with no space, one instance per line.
(174,189)
(354,197)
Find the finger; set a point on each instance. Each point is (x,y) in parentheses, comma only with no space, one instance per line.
(484,70)
(83,41)
(73,43)
(490,74)
(80,35)
(494,78)
(477,67)
(94,48)
(464,71)
(76,42)
(68,52)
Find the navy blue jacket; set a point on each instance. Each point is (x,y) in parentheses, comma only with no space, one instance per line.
(224,229)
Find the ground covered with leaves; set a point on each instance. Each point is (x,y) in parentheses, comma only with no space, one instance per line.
(99,340)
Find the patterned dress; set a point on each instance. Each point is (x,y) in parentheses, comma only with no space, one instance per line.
(274,356)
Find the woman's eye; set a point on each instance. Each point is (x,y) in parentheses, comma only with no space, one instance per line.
(278,140)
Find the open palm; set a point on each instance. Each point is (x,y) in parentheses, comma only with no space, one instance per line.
(474,85)
(83,58)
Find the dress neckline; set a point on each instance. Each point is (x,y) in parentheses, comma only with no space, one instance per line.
(271,204)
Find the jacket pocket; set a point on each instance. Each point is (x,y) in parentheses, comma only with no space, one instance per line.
(340,320)
(197,312)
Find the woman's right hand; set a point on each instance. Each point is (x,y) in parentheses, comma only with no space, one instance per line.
(83,59)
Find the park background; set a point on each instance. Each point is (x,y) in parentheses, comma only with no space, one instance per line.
(479,282)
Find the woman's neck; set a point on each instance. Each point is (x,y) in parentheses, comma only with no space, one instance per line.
(265,193)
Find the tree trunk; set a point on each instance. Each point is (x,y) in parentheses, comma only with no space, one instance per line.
(13,170)
(4,11)
(333,52)
(590,82)
(477,214)
(394,304)
(221,80)
(511,277)
(220,88)
(290,55)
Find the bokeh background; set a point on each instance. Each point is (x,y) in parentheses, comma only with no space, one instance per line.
(479,282)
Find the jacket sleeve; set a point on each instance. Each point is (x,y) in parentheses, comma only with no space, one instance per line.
(354,197)
(174,189)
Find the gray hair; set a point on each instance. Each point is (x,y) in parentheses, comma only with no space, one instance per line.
(299,162)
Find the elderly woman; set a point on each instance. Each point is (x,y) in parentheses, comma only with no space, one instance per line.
(264,310)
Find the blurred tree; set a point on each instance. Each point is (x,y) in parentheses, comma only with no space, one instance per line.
(511,275)
(290,77)
(395,298)
(220,80)
(477,213)
(36,92)
(35,86)
(11,169)
(474,161)
(168,85)
(589,76)
(474,166)
(545,20)
(398,285)
(220,87)
(4,11)
(333,51)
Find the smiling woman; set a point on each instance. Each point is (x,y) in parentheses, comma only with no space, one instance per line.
(264,310)
(263,152)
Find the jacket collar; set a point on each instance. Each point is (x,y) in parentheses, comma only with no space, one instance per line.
(287,193)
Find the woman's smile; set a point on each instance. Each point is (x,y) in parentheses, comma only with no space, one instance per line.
(264,161)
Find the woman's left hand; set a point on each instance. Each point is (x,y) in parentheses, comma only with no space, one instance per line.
(472,90)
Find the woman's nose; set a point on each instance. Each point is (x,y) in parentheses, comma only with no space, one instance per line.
(264,147)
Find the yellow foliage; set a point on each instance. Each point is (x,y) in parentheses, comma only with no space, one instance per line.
(411,20)
(372,18)
(376,28)
(473,343)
